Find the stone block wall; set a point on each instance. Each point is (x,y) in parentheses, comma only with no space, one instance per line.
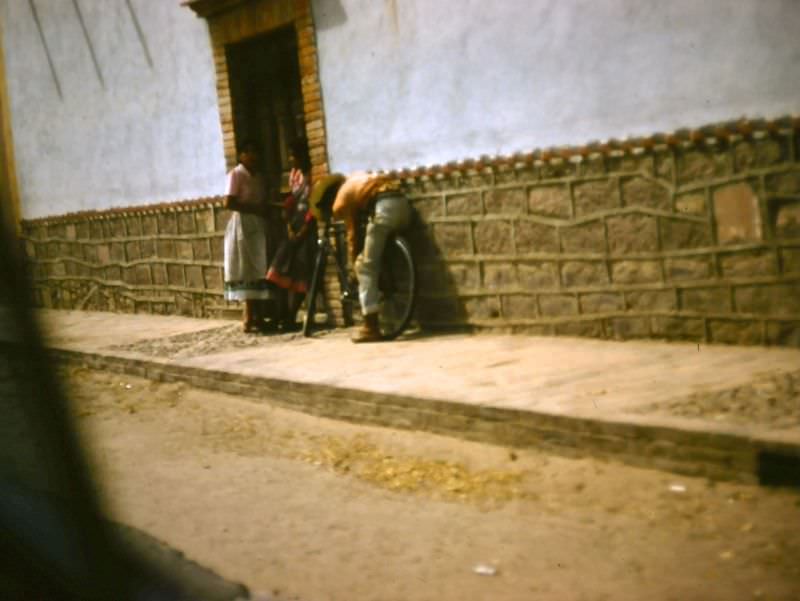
(164,259)
(693,236)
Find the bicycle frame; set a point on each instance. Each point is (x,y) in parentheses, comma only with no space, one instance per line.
(348,296)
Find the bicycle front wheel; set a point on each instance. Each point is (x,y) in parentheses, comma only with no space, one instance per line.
(398,287)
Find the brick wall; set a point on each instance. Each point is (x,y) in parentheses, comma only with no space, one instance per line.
(163,259)
(691,236)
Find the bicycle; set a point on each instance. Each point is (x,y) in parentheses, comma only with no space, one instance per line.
(397,282)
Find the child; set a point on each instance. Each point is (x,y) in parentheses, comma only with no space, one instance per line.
(291,269)
(245,238)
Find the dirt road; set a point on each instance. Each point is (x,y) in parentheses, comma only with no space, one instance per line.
(311,509)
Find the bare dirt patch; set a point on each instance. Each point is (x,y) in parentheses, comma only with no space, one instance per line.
(307,508)
(204,342)
(771,399)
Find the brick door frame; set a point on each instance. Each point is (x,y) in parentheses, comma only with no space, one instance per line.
(233,21)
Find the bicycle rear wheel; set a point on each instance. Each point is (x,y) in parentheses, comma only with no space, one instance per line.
(398,287)
(315,290)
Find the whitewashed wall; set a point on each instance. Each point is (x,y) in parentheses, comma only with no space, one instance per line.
(145,134)
(404,82)
(410,82)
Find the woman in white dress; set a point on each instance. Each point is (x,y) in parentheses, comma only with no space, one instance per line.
(246,239)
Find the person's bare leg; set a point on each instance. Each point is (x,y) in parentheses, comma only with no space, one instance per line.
(259,312)
(247,316)
(283,307)
(297,300)
(290,307)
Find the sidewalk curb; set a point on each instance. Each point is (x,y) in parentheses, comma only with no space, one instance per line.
(688,451)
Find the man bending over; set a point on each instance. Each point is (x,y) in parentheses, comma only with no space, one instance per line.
(387,209)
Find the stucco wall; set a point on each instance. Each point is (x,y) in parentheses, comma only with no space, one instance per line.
(137,133)
(419,82)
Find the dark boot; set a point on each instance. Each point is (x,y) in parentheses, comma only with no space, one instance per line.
(369,331)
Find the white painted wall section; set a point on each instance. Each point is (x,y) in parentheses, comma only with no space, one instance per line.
(417,82)
(135,133)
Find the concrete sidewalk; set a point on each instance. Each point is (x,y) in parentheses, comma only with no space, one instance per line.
(727,412)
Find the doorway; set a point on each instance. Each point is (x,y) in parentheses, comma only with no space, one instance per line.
(267,107)
(266,98)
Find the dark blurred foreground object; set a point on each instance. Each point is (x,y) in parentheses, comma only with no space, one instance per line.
(55,543)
